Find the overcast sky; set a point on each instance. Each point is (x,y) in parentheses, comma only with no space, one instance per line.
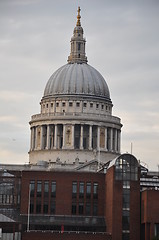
(122,44)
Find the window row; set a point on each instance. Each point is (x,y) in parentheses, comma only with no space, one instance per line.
(40,188)
(78,104)
(42,208)
(6,199)
(85,209)
(85,190)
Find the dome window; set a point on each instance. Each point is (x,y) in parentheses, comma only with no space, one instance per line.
(97,105)
(84,104)
(47,105)
(51,104)
(63,104)
(102,107)
(57,104)
(77,104)
(91,105)
(70,104)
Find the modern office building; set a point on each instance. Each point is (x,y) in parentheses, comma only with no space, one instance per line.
(77,184)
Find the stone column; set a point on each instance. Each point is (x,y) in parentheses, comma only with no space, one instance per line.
(90,137)
(98,137)
(48,137)
(73,136)
(64,135)
(81,138)
(106,139)
(115,141)
(111,139)
(55,137)
(31,139)
(36,137)
(41,138)
(119,135)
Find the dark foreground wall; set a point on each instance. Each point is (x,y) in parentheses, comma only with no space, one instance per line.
(39,235)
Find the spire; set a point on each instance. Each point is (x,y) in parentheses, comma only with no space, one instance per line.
(77,54)
(78,18)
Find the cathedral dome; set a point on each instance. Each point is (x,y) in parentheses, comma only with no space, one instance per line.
(77,79)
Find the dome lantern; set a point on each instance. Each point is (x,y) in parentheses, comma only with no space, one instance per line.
(77,54)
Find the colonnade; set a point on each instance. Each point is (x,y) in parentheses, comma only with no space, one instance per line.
(75,136)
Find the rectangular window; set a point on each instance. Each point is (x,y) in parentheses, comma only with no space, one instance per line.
(46,189)
(57,104)
(70,104)
(80,209)
(39,188)
(81,189)
(95,190)
(97,105)
(51,104)
(88,190)
(102,107)
(74,189)
(77,104)
(53,189)
(74,208)
(32,188)
(63,104)
(156,226)
(95,209)
(91,105)
(32,207)
(84,104)
(38,207)
(126,198)
(52,207)
(45,208)
(88,209)
(79,46)
(126,220)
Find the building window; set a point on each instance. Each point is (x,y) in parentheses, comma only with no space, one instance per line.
(53,189)
(125,236)
(106,108)
(102,107)
(74,208)
(46,189)
(77,104)
(39,188)
(38,207)
(97,105)
(91,105)
(57,104)
(126,220)
(74,189)
(47,105)
(88,209)
(70,104)
(156,229)
(63,104)
(88,190)
(31,207)
(32,188)
(84,104)
(95,190)
(95,209)
(81,208)
(45,208)
(81,189)
(52,207)
(79,46)
(126,198)
(51,104)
